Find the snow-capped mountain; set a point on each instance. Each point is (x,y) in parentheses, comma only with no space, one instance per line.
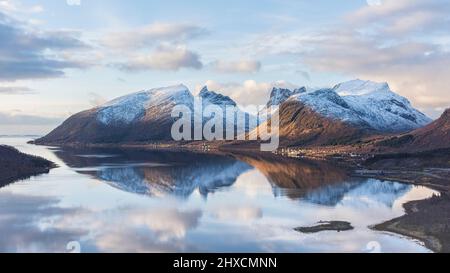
(340,114)
(133,107)
(367,104)
(137,117)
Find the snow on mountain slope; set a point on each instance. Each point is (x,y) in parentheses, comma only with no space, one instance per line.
(367,104)
(180,180)
(130,108)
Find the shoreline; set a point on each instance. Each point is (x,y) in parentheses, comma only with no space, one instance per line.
(424,220)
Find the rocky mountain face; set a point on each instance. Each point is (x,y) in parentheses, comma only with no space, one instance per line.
(300,125)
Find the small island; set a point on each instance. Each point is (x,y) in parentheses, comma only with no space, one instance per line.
(15,165)
(326,226)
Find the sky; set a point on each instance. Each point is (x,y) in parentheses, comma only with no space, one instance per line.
(59,57)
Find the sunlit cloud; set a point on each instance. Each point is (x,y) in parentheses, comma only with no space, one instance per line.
(24,119)
(16,90)
(152,35)
(16,6)
(241,66)
(163,58)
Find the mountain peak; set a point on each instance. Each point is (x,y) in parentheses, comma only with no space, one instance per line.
(204,90)
(300,90)
(446,114)
(280,95)
(360,87)
(215,98)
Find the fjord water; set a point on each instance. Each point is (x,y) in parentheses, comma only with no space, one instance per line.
(112,200)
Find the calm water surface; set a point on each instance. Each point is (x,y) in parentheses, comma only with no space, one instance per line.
(133,201)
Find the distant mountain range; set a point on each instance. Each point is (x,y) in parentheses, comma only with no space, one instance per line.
(340,115)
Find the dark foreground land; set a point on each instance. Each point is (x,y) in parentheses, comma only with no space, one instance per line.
(426,220)
(15,165)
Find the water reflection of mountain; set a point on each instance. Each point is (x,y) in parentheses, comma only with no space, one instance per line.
(156,173)
(364,193)
(180,173)
(294,177)
(321,182)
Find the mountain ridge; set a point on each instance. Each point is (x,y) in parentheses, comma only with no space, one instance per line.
(331,116)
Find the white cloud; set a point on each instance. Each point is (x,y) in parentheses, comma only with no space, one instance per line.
(151,35)
(15,90)
(401,17)
(17,7)
(164,58)
(24,119)
(241,66)
(281,43)
(402,42)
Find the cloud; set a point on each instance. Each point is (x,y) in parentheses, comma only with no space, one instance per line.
(17,7)
(281,43)
(29,54)
(242,66)
(24,119)
(402,42)
(418,71)
(399,41)
(15,90)
(401,17)
(163,58)
(153,34)
(250,92)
